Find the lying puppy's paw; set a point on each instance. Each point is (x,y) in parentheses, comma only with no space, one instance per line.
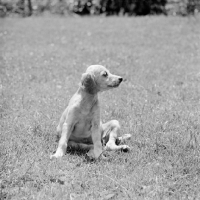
(59,153)
(125,148)
(122,139)
(126,136)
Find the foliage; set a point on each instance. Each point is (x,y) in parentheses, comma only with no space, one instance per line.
(109,7)
(193,6)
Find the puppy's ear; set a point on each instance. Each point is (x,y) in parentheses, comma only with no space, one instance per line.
(87,80)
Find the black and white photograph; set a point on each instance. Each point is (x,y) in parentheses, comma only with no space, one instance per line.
(99,99)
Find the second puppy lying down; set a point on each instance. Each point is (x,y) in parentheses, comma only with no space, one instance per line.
(80,125)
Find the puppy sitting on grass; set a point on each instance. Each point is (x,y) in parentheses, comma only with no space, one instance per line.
(80,125)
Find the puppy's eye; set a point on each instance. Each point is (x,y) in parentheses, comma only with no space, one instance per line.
(105,74)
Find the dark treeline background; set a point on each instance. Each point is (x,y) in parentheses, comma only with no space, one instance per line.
(96,7)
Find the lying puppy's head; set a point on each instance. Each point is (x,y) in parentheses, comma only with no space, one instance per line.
(97,78)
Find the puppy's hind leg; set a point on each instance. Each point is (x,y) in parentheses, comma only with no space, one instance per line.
(111,131)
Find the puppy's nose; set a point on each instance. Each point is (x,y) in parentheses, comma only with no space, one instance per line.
(120,79)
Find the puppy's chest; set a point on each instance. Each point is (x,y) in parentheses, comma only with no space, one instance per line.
(86,118)
(85,122)
(83,127)
(89,111)
(87,114)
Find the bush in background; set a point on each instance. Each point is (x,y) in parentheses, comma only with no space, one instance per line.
(92,7)
(145,7)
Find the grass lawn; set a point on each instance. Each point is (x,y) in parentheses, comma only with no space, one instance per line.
(41,62)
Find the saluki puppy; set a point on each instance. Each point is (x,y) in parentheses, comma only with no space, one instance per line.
(80,125)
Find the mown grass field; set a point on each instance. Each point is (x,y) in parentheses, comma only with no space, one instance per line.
(41,62)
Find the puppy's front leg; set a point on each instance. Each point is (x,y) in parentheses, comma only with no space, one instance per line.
(62,145)
(96,138)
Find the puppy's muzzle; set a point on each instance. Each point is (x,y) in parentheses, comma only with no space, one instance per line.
(120,79)
(116,83)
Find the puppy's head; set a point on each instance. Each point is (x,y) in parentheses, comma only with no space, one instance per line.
(98,78)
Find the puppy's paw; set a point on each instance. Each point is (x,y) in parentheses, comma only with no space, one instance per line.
(125,148)
(89,158)
(59,153)
(126,136)
(90,155)
(123,139)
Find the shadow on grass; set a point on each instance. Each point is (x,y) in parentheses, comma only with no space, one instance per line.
(74,151)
